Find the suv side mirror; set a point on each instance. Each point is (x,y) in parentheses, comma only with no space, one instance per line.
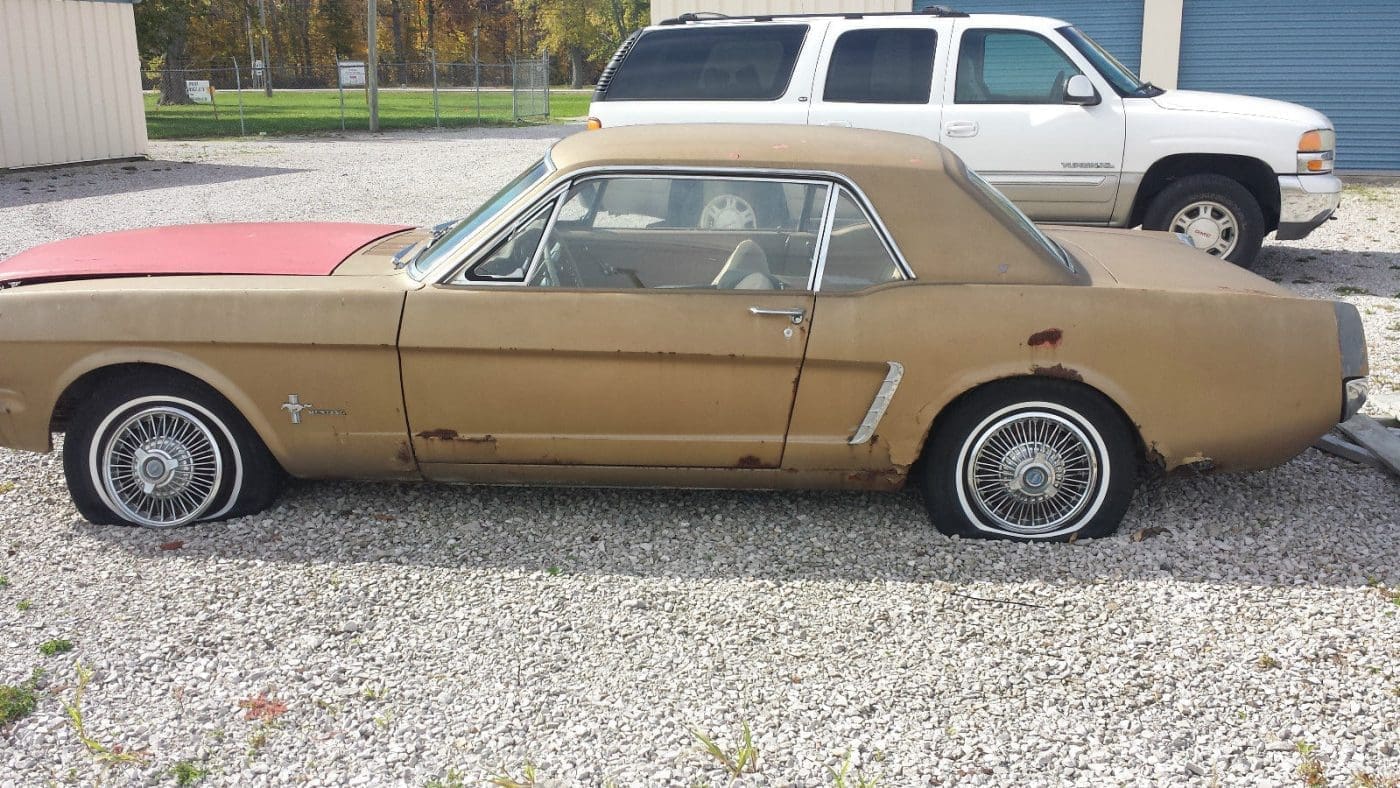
(1079,90)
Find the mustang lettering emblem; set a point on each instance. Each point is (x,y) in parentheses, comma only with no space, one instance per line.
(296,407)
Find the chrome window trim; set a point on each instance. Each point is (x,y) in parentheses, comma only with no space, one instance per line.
(476,255)
(824,239)
(834,180)
(538,258)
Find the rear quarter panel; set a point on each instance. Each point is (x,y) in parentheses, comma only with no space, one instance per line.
(1243,380)
(330,340)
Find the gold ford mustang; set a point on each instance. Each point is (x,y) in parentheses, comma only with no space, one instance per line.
(766,307)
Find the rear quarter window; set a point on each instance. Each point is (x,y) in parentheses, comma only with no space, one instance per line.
(885,66)
(709,64)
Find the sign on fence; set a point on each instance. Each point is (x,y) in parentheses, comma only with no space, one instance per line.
(352,73)
(199,91)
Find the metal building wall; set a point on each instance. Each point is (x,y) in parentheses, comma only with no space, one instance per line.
(1345,68)
(1118,25)
(70,82)
(667,9)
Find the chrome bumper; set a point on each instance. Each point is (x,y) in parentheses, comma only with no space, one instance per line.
(1305,201)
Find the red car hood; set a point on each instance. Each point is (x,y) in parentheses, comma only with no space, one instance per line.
(306,249)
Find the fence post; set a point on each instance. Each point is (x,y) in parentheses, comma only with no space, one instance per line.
(544,60)
(340,86)
(432,63)
(476,63)
(514,90)
(238,86)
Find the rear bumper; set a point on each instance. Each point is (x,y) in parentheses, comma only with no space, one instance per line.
(1305,202)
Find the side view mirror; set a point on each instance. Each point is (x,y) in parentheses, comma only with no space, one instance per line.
(1079,90)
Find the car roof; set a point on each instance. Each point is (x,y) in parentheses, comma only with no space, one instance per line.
(751,146)
(944,225)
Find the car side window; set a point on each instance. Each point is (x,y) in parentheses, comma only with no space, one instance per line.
(510,260)
(728,63)
(658,231)
(886,66)
(856,254)
(1010,67)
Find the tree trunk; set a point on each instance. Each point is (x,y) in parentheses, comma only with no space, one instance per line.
(172,75)
(400,42)
(576,66)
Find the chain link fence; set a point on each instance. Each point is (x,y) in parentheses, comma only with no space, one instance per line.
(233,99)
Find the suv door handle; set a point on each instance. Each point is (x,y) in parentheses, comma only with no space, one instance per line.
(795,315)
(960,128)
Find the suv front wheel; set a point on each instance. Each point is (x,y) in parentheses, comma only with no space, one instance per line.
(1217,214)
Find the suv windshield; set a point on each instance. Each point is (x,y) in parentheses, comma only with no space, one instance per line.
(1120,76)
(425,259)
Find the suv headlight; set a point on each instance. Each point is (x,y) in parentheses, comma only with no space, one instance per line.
(1316,151)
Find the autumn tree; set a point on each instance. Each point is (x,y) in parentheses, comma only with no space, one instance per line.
(162,33)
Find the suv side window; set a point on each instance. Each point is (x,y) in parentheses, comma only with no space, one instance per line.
(724,63)
(885,66)
(1010,67)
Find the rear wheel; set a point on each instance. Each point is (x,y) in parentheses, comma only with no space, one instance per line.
(1030,460)
(1217,214)
(163,453)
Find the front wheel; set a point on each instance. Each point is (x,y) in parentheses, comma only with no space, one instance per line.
(1217,214)
(163,453)
(1030,460)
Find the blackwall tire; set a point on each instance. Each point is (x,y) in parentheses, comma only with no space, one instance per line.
(1030,460)
(1203,207)
(163,452)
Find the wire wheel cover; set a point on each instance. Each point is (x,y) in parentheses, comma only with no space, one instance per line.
(1032,472)
(161,466)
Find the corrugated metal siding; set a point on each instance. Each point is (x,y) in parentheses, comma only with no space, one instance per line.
(1341,59)
(70,83)
(669,9)
(1116,25)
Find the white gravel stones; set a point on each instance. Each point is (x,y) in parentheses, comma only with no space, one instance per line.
(419,632)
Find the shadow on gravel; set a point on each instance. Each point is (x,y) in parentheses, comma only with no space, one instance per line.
(30,187)
(1259,529)
(1378,272)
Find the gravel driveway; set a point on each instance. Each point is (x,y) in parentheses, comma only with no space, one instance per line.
(386,634)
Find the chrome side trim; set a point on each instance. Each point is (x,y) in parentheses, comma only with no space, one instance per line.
(823,239)
(879,405)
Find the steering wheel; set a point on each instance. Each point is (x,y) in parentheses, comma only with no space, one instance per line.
(1057,93)
(728,212)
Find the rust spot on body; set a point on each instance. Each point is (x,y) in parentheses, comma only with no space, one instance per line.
(1058,371)
(1049,337)
(438,435)
(404,455)
(882,479)
(749,461)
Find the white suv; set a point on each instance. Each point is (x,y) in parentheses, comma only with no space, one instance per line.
(1034,105)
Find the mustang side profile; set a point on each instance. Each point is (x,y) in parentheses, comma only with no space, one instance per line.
(719,306)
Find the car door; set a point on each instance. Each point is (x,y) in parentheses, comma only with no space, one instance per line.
(1006,116)
(877,73)
(630,320)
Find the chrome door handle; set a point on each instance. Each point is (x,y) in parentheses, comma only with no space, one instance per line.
(795,315)
(961,128)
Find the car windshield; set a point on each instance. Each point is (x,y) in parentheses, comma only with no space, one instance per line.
(446,238)
(1010,211)
(1122,78)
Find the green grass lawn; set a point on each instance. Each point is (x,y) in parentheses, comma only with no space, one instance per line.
(306,111)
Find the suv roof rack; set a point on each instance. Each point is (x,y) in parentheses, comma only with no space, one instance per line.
(711,16)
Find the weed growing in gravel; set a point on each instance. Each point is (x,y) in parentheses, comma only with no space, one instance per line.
(19,702)
(56,646)
(261,707)
(1351,290)
(24,605)
(453,779)
(844,778)
(6,487)
(1310,769)
(529,778)
(113,754)
(1266,662)
(4,581)
(1369,780)
(188,773)
(743,758)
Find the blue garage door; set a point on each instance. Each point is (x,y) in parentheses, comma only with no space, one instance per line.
(1340,58)
(1116,25)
